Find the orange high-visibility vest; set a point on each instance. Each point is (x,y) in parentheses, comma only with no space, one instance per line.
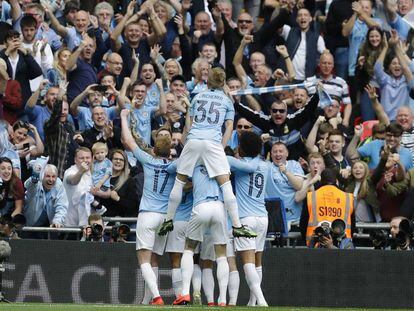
(327,204)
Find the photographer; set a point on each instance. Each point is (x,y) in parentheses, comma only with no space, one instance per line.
(327,204)
(331,236)
(401,233)
(94,230)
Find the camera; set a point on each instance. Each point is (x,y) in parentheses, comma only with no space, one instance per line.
(379,238)
(96,232)
(120,233)
(322,231)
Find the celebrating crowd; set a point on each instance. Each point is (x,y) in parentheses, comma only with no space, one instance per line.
(128,108)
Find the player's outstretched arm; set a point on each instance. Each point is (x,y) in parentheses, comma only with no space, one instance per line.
(241,166)
(126,135)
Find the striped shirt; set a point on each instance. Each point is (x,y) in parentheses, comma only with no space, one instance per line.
(407,141)
(336,86)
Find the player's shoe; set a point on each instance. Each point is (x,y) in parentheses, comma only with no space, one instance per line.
(157,301)
(211,304)
(166,227)
(221,304)
(197,299)
(182,300)
(243,232)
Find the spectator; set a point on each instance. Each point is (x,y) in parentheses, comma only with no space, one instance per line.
(39,114)
(395,84)
(69,13)
(335,86)
(135,42)
(372,150)
(81,70)
(7,148)
(11,100)
(57,75)
(11,189)
(20,65)
(43,31)
(40,50)
(26,145)
(356,29)
(389,170)
(361,186)
(46,202)
(102,131)
(126,185)
(285,179)
(105,12)
(280,126)
(242,125)
(59,143)
(364,71)
(78,182)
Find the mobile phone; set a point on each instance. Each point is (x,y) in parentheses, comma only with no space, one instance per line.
(26,146)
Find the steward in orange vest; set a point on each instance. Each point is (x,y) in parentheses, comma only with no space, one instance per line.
(327,204)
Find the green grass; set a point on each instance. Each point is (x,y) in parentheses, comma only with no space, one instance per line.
(86,307)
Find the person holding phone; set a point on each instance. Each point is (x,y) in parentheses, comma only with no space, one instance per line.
(27,146)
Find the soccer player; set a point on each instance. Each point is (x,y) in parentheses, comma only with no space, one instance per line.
(176,238)
(250,189)
(158,181)
(208,213)
(205,142)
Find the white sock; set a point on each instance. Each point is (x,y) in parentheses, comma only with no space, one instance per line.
(187,268)
(253,281)
(234,284)
(150,279)
(175,198)
(223,271)
(177,281)
(147,293)
(230,204)
(252,301)
(208,284)
(196,280)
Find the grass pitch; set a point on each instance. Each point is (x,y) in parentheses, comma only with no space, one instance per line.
(104,307)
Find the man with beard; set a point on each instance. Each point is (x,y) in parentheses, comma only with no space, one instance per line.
(39,114)
(40,50)
(46,202)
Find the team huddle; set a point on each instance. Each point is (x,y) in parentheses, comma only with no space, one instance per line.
(185,204)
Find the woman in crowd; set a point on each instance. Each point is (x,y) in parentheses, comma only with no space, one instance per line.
(58,74)
(359,183)
(368,55)
(11,189)
(126,187)
(26,145)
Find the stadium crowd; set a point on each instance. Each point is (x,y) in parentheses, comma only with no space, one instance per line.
(95,94)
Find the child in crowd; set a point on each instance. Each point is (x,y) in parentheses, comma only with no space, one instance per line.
(101,171)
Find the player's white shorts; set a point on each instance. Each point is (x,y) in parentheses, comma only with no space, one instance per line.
(176,238)
(205,152)
(207,248)
(230,250)
(147,236)
(258,225)
(208,215)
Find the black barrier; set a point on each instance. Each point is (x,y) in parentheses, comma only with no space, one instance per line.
(65,271)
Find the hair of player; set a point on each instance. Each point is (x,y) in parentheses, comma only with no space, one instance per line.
(216,78)
(250,144)
(162,146)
